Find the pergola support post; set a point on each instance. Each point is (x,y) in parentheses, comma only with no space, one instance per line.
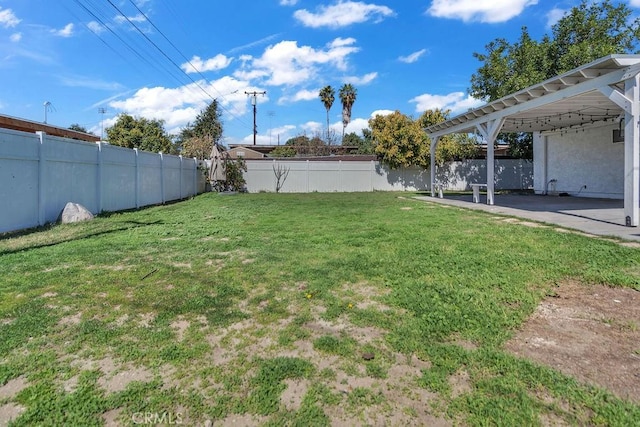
(434,144)
(489,132)
(632,154)
(628,101)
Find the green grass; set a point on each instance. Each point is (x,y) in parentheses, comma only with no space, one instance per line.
(227,301)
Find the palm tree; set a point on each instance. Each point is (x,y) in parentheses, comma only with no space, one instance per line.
(327,96)
(348,97)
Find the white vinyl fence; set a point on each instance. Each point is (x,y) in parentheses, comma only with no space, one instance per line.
(41,173)
(305,176)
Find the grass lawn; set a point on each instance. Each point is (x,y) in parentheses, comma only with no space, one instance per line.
(282,309)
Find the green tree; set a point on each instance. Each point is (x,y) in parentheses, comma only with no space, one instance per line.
(305,146)
(197,139)
(589,31)
(327,96)
(400,141)
(364,142)
(78,128)
(140,133)
(348,95)
(283,151)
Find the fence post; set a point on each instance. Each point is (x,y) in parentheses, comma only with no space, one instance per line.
(195,176)
(371,168)
(180,179)
(41,181)
(99,180)
(137,180)
(162,177)
(307,176)
(340,176)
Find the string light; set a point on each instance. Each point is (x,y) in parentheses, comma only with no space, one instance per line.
(560,121)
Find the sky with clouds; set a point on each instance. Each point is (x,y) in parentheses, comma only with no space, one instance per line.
(86,61)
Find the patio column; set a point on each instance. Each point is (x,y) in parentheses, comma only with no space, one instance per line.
(628,101)
(489,132)
(632,154)
(434,144)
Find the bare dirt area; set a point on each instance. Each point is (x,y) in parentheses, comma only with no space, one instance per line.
(590,332)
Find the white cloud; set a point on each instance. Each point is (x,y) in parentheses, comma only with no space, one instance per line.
(137,18)
(286,63)
(179,106)
(302,95)
(96,27)
(410,59)
(555,14)
(8,19)
(342,14)
(381,113)
(288,2)
(254,43)
(489,11)
(15,37)
(67,31)
(197,65)
(87,82)
(457,102)
(361,81)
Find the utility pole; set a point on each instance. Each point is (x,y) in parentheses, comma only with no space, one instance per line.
(254,102)
(102,111)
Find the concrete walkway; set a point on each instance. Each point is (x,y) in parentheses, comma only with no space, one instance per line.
(604,217)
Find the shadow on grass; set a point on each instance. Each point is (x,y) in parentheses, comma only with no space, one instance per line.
(80,235)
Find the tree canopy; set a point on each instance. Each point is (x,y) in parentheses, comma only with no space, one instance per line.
(400,141)
(587,32)
(197,139)
(78,128)
(348,95)
(327,96)
(140,133)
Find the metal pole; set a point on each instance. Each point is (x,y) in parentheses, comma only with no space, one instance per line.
(254,102)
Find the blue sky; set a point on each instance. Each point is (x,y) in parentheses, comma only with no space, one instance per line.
(166,59)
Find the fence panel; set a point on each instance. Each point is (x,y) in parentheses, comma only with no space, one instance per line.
(329,176)
(41,173)
(19,175)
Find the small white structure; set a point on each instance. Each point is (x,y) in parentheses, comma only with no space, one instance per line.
(573,117)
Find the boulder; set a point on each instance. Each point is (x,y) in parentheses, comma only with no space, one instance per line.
(74,212)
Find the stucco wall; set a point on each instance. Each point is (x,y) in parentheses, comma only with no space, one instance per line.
(585,163)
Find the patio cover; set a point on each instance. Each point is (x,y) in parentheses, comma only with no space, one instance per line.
(606,89)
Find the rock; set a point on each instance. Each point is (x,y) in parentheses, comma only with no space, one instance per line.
(74,212)
(368,356)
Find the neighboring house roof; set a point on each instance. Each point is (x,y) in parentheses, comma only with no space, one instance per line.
(244,152)
(8,122)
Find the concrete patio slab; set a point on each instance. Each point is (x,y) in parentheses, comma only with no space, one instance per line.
(603,217)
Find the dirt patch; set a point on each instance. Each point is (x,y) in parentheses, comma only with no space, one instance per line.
(292,397)
(10,412)
(13,387)
(180,326)
(110,418)
(70,320)
(589,332)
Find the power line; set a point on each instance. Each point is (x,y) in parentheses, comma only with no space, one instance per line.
(165,54)
(95,14)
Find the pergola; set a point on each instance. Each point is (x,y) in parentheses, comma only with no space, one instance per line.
(604,90)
